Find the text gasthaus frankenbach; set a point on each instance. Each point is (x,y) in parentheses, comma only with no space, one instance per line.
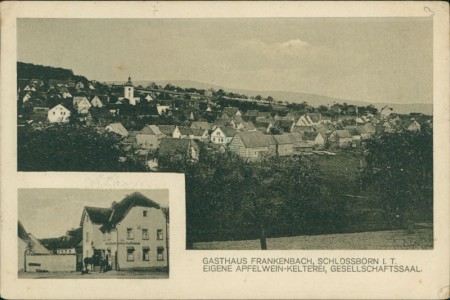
(307,265)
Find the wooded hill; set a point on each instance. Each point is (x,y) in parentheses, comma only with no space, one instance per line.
(32,71)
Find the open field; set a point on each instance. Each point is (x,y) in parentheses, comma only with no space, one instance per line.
(96,275)
(379,240)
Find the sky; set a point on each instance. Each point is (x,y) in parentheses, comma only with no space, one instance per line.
(366,59)
(49,213)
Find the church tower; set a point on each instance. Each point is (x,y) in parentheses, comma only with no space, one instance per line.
(128,91)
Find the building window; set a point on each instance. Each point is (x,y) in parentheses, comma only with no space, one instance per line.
(130,233)
(144,213)
(130,254)
(160,256)
(145,254)
(87,236)
(159,234)
(145,234)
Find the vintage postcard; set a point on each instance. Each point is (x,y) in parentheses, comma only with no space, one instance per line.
(294,141)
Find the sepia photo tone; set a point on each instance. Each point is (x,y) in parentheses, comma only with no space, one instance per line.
(92,234)
(292,133)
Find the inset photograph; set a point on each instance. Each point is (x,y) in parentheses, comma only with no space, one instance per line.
(90,233)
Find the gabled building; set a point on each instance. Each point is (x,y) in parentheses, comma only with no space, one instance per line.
(178,148)
(231,111)
(201,125)
(66,95)
(316,137)
(285,143)
(304,120)
(64,245)
(370,128)
(167,130)
(28,245)
(163,109)
(414,126)
(222,135)
(40,114)
(131,234)
(117,128)
(253,144)
(96,102)
(386,112)
(58,114)
(200,134)
(79,85)
(149,137)
(81,104)
(341,138)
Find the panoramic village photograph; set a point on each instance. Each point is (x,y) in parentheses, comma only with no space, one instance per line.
(292,133)
(93,233)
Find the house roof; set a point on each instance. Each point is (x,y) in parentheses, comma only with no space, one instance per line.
(251,113)
(221,122)
(315,117)
(59,105)
(98,215)
(230,111)
(301,129)
(118,128)
(285,123)
(353,130)
(151,129)
(33,242)
(198,132)
(78,99)
(263,122)
(201,125)
(361,129)
(253,139)
(184,130)
(369,127)
(248,125)
(237,119)
(287,138)
(120,209)
(310,136)
(166,129)
(36,245)
(227,131)
(343,134)
(264,114)
(23,234)
(71,240)
(169,146)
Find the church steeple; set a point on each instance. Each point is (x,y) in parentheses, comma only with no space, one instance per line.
(129,83)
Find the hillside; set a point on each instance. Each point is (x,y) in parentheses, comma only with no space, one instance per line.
(32,71)
(297,97)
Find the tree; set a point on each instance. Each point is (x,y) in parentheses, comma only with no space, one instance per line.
(258,97)
(400,172)
(228,198)
(70,148)
(270,99)
(322,109)
(278,190)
